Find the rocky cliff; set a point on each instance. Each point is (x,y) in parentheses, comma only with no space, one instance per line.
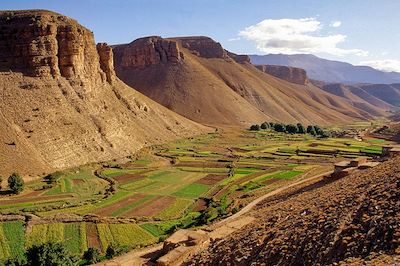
(291,74)
(203,47)
(147,51)
(62,104)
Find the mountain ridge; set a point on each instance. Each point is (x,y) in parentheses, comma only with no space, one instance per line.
(328,70)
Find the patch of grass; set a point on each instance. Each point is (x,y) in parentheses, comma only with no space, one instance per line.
(105,236)
(72,238)
(192,191)
(42,233)
(5,251)
(131,235)
(175,209)
(15,235)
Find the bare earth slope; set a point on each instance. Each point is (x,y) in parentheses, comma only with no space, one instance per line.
(354,220)
(197,78)
(61,102)
(359,97)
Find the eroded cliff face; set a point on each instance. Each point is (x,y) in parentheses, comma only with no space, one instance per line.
(147,51)
(203,47)
(291,74)
(46,44)
(239,58)
(61,102)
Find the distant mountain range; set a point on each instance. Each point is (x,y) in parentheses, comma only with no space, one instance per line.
(328,70)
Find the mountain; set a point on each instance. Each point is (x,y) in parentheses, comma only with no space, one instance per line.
(328,70)
(197,78)
(347,221)
(62,104)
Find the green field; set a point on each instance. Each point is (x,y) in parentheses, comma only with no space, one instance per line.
(206,175)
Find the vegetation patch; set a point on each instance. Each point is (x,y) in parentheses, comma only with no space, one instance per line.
(194,190)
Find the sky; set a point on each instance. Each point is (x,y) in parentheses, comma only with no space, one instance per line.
(361,32)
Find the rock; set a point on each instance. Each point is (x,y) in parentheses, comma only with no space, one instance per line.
(204,47)
(106,61)
(40,43)
(147,51)
(291,74)
(241,59)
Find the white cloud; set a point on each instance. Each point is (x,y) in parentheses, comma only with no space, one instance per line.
(291,36)
(335,24)
(384,64)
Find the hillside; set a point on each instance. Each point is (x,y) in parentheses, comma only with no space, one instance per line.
(353,220)
(328,70)
(197,78)
(62,104)
(373,98)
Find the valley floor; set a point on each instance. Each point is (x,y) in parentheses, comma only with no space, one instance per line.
(139,201)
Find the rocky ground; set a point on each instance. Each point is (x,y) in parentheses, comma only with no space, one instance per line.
(354,221)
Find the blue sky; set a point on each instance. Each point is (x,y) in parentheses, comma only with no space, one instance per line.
(356,31)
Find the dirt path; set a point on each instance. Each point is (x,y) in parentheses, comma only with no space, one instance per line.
(250,206)
(143,256)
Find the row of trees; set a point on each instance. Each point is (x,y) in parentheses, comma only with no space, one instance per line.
(314,130)
(15,183)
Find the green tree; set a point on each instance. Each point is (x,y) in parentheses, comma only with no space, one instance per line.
(311,130)
(279,127)
(318,130)
(301,129)
(50,254)
(255,127)
(92,255)
(292,129)
(271,124)
(16,183)
(52,178)
(264,125)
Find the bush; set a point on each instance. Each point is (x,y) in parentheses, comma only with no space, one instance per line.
(264,125)
(92,255)
(292,129)
(301,129)
(311,130)
(115,250)
(255,127)
(50,254)
(52,178)
(16,183)
(280,128)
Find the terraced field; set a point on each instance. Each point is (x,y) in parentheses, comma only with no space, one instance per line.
(180,184)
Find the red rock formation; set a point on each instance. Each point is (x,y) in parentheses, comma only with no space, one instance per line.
(291,74)
(203,47)
(147,51)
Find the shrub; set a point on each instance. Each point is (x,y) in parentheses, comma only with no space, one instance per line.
(301,129)
(92,255)
(16,183)
(291,129)
(50,254)
(311,130)
(255,127)
(279,128)
(264,125)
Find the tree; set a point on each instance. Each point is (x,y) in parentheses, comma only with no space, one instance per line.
(52,178)
(271,124)
(16,183)
(255,127)
(264,125)
(54,254)
(301,129)
(311,130)
(318,130)
(92,255)
(279,127)
(292,129)
(115,250)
